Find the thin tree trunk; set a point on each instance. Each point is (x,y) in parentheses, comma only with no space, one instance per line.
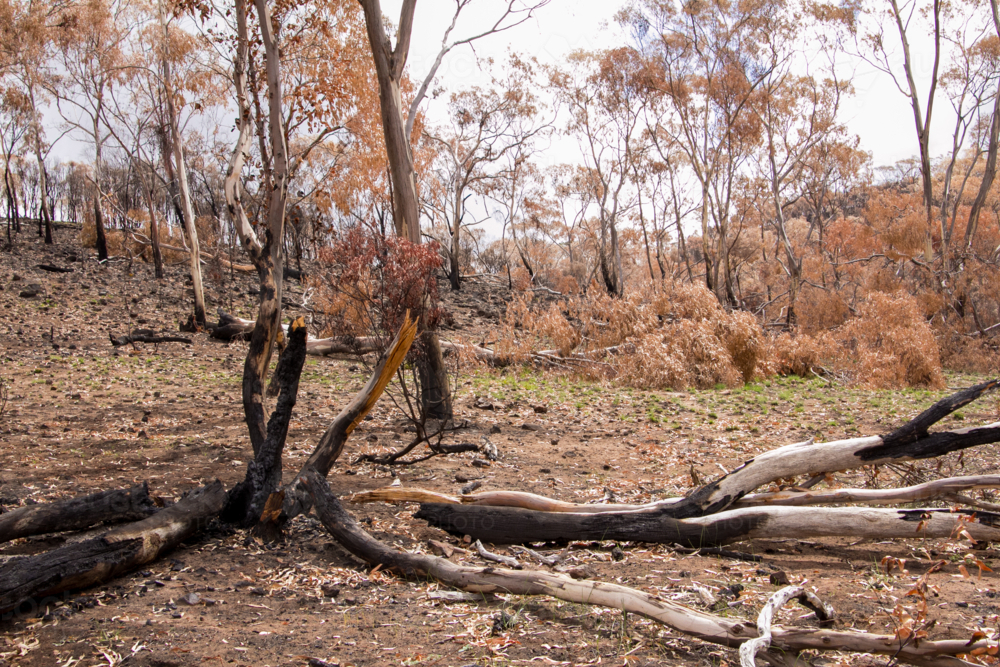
(187,209)
(389,66)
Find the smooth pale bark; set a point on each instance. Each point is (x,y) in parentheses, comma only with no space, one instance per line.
(944,489)
(922,122)
(389,66)
(82,564)
(77,513)
(230,327)
(45,217)
(750,649)
(990,171)
(912,441)
(102,240)
(267,255)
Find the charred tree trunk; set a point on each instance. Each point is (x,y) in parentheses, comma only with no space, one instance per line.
(247,499)
(435,392)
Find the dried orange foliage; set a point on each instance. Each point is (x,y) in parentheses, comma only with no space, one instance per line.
(674,338)
(888,345)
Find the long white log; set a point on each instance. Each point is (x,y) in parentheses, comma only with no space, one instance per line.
(505,525)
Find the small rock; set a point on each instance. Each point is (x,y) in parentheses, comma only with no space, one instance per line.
(480,463)
(569,454)
(31,291)
(531,427)
(618,554)
(258,591)
(191,599)
(539,409)
(545,471)
(330,591)
(779,578)
(494,429)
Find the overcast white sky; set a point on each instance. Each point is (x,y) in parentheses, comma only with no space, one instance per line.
(878,113)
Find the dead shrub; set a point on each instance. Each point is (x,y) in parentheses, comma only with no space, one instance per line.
(969,355)
(686,353)
(888,345)
(676,337)
(821,310)
(800,354)
(891,345)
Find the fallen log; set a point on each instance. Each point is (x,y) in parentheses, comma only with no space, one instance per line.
(686,620)
(205,257)
(508,525)
(147,336)
(82,564)
(231,327)
(910,442)
(113,506)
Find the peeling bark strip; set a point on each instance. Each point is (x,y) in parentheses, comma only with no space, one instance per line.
(102,558)
(506,525)
(681,618)
(77,513)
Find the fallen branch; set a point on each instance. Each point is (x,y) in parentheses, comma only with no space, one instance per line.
(750,649)
(147,336)
(52,268)
(683,619)
(946,488)
(231,327)
(910,442)
(205,257)
(118,551)
(78,513)
(496,558)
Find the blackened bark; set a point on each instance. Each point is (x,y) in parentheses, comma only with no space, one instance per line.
(77,513)
(247,499)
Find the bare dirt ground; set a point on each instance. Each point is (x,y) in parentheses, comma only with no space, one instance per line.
(83,416)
